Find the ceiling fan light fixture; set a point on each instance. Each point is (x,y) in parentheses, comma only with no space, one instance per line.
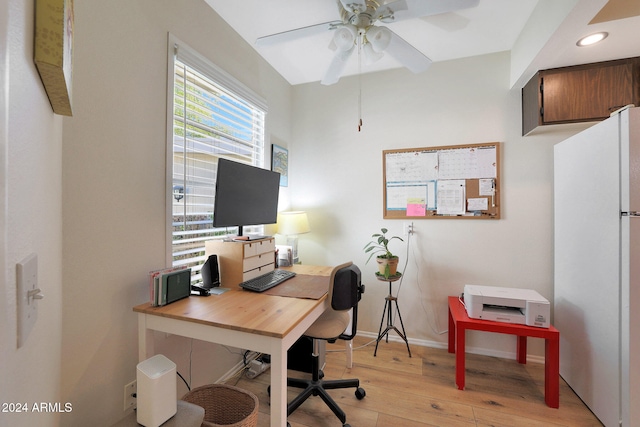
(370,55)
(345,37)
(592,39)
(379,38)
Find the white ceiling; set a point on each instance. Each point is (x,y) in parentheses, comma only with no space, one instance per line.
(492,26)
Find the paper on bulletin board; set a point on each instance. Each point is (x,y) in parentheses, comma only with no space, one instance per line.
(487,187)
(451,197)
(416,207)
(417,166)
(399,194)
(467,163)
(478,204)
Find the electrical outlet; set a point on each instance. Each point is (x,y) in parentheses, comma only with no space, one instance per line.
(130,391)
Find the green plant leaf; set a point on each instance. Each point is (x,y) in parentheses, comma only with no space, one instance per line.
(380,245)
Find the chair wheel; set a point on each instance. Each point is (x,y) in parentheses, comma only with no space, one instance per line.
(360,393)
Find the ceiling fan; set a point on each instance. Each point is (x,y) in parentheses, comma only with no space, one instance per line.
(357,31)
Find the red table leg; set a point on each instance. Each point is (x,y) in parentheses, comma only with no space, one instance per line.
(552,371)
(460,353)
(521,352)
(452,334)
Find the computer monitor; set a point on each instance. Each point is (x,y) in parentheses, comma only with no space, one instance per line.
(245,195)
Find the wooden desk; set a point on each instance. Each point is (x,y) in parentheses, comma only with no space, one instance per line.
(459,322)
(241,319)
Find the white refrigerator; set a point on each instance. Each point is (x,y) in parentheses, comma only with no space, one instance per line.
(597,266)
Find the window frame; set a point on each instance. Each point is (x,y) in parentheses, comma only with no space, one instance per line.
(177,50)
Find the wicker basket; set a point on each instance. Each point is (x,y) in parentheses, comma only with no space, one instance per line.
(225,405)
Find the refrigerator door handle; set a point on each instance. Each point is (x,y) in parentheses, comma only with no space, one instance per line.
(632,213)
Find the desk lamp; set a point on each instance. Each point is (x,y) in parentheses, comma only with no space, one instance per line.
(291,224)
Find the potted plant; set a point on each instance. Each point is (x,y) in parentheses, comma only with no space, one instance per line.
(387,261)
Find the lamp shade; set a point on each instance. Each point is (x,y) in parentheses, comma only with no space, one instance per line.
(344,37)
(370,55)
(379,37)
(293,222)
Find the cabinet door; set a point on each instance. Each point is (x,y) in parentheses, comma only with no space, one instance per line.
(586,94)
(531,104)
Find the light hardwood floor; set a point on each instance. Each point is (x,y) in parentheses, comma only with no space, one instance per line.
(420,391)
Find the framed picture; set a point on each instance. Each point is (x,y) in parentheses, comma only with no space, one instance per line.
(285,255)
(280,163)
(53,51)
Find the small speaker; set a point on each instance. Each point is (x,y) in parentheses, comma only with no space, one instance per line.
(210,272)
(156,391)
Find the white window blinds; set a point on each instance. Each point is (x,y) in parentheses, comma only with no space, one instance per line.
(213,116)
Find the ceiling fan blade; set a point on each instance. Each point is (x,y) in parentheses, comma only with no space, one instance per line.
(410,9)
(338,63)
(296,34)
(386,12)
(406,54)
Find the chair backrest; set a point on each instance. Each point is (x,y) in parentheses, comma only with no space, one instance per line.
(345,292)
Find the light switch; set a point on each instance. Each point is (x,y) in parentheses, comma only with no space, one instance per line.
(28,296)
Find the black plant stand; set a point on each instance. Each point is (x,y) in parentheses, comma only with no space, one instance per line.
(388,310)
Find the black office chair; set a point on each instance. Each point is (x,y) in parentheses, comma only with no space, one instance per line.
(344,293)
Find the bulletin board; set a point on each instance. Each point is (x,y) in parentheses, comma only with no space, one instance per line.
(460,181)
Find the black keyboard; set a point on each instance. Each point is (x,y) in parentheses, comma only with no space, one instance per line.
(267,281)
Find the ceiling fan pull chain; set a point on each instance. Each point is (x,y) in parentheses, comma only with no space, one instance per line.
(359,106)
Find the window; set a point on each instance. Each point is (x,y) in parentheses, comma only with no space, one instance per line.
(211,115)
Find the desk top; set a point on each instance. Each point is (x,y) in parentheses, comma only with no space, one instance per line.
(246,311)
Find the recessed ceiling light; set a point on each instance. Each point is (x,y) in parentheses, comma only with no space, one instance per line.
(592,39)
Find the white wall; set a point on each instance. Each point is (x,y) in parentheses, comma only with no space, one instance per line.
(114,188)
(30,177)
(5,302)
(104,190)
(336,175)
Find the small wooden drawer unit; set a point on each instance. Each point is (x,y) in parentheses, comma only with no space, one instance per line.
(242,260)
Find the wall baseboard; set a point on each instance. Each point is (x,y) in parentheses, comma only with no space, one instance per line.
(441,345)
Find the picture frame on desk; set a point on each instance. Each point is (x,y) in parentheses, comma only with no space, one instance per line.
(285,255)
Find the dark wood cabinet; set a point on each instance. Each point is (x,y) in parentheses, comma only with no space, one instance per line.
(582,93)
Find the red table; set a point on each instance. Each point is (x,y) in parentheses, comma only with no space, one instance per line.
(459,322)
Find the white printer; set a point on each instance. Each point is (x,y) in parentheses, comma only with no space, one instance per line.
(510,305)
